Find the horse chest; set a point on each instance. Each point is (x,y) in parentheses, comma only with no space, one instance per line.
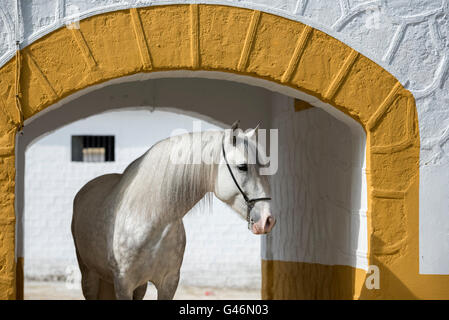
(152,255)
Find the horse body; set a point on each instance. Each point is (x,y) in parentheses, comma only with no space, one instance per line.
(128,227)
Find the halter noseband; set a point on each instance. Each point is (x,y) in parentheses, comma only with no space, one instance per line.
(249,202)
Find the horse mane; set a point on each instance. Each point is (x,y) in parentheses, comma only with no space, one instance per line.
(154,183)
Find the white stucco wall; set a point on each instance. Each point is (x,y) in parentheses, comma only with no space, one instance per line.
(409,38)
(220,250)
(319,189)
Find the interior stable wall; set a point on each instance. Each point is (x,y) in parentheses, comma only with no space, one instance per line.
(320,189)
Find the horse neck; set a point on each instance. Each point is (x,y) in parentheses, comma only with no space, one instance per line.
(166,190)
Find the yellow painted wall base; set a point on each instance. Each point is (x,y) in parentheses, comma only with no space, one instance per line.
(298,280)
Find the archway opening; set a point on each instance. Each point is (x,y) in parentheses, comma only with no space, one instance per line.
(319,189)
(218,242)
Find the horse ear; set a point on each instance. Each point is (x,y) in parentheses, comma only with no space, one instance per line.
(253,132)
(234,133)
(235,125)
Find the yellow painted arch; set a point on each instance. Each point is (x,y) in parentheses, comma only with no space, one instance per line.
(256,44)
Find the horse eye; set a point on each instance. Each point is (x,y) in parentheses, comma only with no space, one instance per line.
(243,167)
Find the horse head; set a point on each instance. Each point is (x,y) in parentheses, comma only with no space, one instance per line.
(239,182)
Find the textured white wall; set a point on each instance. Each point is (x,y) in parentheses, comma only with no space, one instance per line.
(409,38)
(220,250)
(319,189)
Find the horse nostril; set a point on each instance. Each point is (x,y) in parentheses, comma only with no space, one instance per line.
(269,224)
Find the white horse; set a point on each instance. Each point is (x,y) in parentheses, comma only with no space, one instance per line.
(128,228)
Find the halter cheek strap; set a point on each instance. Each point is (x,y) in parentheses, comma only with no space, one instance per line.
(249,202)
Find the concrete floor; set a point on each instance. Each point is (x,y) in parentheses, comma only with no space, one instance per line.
(53,290)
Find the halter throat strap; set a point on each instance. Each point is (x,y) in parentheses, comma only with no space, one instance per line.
(249,202)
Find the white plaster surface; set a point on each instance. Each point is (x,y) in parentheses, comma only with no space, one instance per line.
(319,191)
(409,38)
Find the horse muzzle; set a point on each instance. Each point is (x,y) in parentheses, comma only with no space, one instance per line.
(264,225)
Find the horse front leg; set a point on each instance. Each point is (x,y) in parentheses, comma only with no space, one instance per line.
(167,288)
(124,290)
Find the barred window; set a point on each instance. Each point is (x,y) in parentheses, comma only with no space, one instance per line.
(93,148)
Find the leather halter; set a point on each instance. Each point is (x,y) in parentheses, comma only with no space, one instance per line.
(249,202)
